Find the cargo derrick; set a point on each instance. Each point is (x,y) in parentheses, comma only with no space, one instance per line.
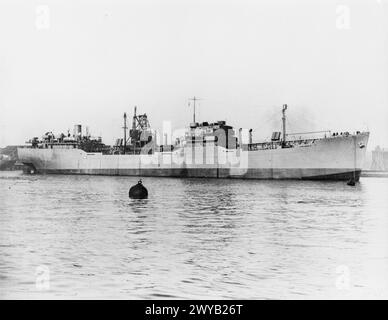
(140,135)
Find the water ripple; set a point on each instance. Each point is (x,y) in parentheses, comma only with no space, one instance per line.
(193,238)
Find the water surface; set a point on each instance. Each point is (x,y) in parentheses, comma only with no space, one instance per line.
(193,238)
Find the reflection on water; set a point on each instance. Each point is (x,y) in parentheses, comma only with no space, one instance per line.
(192,238)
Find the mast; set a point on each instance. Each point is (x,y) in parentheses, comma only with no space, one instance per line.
(134,119)
(194,99)
(133,140)
(284,122)
(125,131)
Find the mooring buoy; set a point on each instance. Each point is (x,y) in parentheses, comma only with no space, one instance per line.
(138,191)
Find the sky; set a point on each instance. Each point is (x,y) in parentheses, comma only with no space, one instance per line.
(88,62)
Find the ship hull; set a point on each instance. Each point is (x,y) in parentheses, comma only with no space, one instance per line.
(335,158)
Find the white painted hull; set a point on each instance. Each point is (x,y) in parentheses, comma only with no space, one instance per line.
(336,158)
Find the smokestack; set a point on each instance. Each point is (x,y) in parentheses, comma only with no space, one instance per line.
(250,136)
(77,131)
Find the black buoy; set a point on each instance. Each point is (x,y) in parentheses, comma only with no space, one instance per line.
(351,182)
(138,191)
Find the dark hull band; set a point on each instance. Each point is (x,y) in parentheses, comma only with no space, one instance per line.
(267,174)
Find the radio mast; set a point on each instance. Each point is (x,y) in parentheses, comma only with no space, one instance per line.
(194,99)
(125,131)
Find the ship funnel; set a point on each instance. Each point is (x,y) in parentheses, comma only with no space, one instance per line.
(77,131)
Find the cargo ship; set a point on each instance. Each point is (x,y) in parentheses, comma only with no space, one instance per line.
(206,150)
